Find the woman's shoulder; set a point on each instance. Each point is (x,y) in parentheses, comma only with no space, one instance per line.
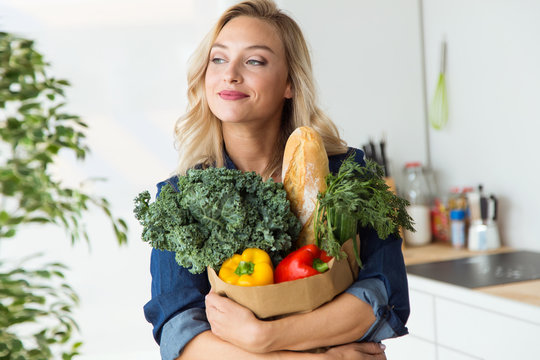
(335,161)
(173,181)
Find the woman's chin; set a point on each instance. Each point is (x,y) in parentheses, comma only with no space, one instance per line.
(233,119)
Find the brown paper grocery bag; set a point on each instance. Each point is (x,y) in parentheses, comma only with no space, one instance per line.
(293,296)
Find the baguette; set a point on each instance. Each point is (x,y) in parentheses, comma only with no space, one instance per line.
(305,167)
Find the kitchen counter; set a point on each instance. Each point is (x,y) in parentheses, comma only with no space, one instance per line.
(449,321)
(524,291)
(439,252)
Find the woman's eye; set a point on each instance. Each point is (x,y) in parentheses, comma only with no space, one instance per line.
(255,62)
(217,60)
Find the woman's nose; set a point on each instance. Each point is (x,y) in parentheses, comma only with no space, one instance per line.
(232,73)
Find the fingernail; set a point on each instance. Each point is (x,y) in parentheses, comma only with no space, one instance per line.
(383,347)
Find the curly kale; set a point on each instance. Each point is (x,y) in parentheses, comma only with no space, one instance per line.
(216,213)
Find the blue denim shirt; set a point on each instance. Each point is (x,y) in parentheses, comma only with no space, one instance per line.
(177,308)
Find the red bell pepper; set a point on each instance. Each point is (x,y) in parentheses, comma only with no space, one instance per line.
(307,261)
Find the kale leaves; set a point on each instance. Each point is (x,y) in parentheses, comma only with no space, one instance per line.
(216,213)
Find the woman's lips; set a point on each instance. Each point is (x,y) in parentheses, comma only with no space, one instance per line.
(232,95)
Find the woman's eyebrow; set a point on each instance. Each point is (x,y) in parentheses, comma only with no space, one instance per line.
(251,47)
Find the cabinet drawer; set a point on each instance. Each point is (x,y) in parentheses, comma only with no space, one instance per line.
(484,334)
(409,347)
(421,322)
(449,354)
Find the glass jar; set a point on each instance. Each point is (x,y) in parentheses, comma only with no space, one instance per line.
(417,191)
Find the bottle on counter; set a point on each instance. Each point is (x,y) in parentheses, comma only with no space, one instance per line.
(458,198)
(417,191)
(457,228)
(440,223)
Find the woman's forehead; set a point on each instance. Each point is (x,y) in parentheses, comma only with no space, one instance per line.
(249,32)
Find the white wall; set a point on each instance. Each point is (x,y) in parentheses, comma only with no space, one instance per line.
(493,82)
(367,62)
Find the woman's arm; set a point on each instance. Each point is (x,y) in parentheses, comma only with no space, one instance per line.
(208,346)
(382,283)
(341,321)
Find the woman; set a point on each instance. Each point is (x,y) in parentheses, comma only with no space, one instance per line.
(250,86)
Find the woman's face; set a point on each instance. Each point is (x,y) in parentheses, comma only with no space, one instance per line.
(247,76)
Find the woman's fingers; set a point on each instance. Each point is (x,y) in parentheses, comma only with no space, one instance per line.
(218,312)
(234,323)
(357,351)
(216,301)
(371,348)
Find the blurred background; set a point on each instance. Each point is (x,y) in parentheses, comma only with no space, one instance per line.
(376,63)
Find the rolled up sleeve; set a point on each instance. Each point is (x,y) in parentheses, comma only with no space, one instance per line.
(372,291)
(176,309)
(382,283)
(180,330)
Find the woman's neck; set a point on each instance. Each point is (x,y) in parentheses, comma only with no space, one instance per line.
(250,148)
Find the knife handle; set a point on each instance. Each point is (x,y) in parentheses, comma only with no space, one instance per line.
(493,207)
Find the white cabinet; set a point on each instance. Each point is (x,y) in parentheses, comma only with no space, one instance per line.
(448,322)
(449,354)
(410,348)
(484,333)
(422,319)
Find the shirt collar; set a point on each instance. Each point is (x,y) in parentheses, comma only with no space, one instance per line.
(228,162)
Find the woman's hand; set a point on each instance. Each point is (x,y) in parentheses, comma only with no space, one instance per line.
(234,323)
(357,351)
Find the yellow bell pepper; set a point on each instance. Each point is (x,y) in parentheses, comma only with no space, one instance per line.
(252,268)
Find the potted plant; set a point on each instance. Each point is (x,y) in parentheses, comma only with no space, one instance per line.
(36,303)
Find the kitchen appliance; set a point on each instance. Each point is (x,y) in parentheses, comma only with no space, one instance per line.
(482,270)
(483,233)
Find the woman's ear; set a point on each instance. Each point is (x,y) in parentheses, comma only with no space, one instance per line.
(288,91)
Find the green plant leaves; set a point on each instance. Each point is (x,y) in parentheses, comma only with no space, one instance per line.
(34,131)
(38,295)
(36,305)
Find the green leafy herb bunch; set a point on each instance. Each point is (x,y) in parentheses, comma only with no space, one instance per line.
(357,195)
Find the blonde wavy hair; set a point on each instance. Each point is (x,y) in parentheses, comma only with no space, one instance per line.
(198,134)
